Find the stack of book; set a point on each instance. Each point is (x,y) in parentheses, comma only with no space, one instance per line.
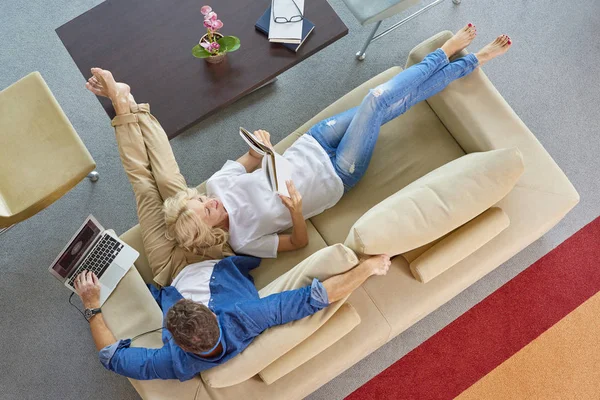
(291,34)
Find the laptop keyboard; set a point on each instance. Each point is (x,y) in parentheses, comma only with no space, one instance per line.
(100,258)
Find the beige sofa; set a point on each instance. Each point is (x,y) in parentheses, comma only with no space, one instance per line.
(468,116)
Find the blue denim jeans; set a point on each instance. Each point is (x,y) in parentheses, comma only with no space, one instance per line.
(349,137)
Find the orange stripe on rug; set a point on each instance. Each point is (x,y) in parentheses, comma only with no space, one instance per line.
(563,363)
(499,326)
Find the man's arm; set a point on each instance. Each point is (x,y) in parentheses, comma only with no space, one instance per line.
(292,305)
(88,288)
(116,355)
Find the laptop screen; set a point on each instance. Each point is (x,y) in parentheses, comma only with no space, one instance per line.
(73,253)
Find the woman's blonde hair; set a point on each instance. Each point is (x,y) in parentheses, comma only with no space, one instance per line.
(188,229)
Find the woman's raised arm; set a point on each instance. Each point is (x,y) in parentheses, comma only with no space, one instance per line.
(251,160)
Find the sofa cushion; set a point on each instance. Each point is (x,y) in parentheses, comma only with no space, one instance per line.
(272,268)
(277,341)
(437,203)
(458,244)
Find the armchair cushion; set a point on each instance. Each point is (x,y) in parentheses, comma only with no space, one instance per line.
(41,155)
(437,203)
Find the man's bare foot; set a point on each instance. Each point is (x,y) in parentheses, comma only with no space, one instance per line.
(494,49)
(96,87)
(102,83)
(460,40)
(377,265)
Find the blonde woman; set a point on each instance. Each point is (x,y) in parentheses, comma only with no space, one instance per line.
(329,160)
(241,210)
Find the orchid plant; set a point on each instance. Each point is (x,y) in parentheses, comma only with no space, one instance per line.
(214,43)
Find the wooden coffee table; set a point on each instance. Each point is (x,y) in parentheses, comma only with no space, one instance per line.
(148,44)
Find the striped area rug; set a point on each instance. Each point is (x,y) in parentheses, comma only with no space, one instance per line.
(536,337)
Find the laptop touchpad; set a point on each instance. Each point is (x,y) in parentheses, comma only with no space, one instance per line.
(112,276)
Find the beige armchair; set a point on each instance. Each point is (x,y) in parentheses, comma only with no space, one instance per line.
(41,155)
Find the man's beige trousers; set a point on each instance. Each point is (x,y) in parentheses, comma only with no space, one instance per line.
(150,165)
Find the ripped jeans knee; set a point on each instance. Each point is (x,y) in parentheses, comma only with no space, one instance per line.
(377,97)
(349,172)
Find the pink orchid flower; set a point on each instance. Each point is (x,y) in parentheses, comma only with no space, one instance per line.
(214,47)
(208,24)
(211,16)
(205,10)
(216,25)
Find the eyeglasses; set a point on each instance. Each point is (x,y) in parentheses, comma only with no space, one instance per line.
(285,20)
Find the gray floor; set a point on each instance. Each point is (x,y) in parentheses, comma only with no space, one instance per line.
(550,77)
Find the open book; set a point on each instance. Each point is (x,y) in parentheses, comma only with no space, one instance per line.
(277,169)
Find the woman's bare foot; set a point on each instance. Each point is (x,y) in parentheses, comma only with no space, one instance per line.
(460,40)
(102,83)
(494,49)
(377,265)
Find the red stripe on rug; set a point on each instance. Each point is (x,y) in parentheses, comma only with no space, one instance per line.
(496,328)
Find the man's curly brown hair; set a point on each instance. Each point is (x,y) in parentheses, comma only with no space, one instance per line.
(194,327)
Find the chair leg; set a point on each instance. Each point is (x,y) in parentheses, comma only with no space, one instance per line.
(361,54)
(94,176)
(3,230)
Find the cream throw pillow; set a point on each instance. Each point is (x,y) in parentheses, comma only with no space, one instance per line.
(437,203)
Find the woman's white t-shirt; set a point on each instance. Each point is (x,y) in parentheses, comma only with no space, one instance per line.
(257,214)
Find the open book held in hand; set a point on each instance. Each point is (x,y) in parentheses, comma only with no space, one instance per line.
(277,169)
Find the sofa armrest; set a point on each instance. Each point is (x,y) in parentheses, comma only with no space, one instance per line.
(480,119)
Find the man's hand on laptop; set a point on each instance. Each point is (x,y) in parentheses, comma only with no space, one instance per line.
(87,287)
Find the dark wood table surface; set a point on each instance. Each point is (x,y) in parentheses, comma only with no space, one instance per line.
(148,45)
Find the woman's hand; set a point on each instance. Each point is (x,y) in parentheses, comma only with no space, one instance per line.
(299,236)
(294,202)
(265,138)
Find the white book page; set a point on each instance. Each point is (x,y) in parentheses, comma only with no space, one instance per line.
(284,173)
(269,171)
(249,138)
(286,8)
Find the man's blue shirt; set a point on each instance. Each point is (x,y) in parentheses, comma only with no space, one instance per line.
(241,313)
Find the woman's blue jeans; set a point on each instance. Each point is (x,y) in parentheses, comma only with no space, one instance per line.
(349,137)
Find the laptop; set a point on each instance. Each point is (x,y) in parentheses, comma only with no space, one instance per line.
(95,249)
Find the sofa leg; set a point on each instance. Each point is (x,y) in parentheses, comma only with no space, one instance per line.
(94,176)
(361,54)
